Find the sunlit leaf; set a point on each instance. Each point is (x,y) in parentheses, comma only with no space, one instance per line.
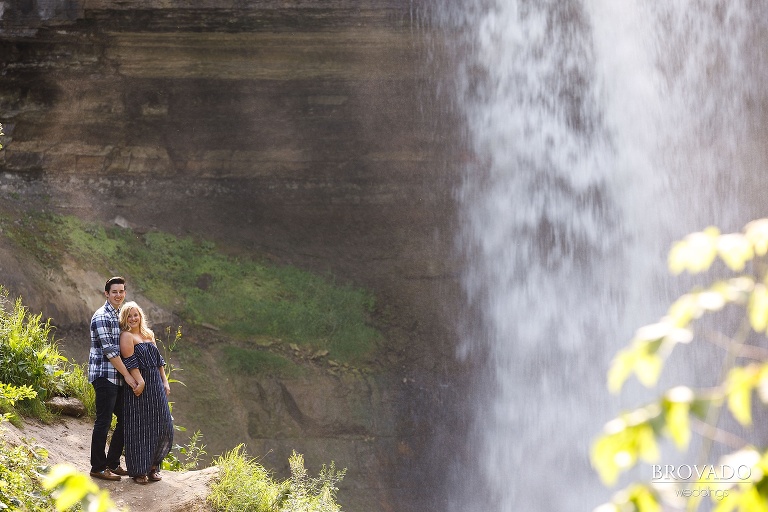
(653,332)
(69,496)
(619,371)
(757,308)
(639,358)
(700,250)
(72,487)
(740,383)
(648,449)
(635,498)
(757,233)
(646,354)
(735,250)
(735,289)
(644,499)
(648,369)
(57,475)
(711,300)
(750,500)
(728,503)
(762,383)
(677,407)
(603,456)
(625,440)
(684,310)
(677,261)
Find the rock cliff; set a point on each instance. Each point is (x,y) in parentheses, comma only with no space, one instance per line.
(308,131)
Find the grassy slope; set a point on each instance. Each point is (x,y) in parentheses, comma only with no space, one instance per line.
(262,307)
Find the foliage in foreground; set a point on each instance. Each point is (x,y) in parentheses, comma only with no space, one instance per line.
(72,489)
(244,484)
(22,466)
(739,480)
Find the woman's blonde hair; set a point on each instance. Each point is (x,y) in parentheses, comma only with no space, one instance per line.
(146,332)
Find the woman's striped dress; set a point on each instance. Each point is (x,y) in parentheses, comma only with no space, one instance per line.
(146,418)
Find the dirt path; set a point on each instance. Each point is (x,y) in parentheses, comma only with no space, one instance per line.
(68,441)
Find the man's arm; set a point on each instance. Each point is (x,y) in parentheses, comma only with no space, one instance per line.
(111,350)
(117,362)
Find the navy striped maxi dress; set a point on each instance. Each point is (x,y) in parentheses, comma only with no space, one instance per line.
(146,418)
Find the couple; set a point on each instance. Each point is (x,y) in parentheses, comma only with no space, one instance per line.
(124,352)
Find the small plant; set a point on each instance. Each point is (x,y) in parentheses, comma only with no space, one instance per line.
(168,348)
(9,395)
(188,457)
(244,484)
(306,494)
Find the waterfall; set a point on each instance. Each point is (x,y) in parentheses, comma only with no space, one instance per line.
(598,132)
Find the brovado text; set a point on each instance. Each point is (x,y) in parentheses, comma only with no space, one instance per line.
(705,472)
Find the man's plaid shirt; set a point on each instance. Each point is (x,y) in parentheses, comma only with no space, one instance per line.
(105,344)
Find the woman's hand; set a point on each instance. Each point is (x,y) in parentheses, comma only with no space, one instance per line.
(167,388)
(139,389)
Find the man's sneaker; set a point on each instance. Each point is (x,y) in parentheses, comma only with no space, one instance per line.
(105,475)
(119,471)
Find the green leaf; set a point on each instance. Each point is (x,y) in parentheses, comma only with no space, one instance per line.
(757,308)
(677,261)
(740,383)
(684,310)
(626,439)
(762,383)
(620,370)
(648,369)
(695,253)
(677,406)
(735,250)
(644,499)
(757,233)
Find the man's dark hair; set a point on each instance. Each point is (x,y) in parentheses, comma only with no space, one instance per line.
(113,280)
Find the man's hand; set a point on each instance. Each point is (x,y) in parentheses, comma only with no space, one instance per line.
(139,389)
(130,381)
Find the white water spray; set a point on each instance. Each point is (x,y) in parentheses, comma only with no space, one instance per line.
(600,131)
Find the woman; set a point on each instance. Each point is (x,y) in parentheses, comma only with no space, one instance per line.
(147,418)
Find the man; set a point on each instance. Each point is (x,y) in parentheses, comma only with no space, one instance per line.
(107,372)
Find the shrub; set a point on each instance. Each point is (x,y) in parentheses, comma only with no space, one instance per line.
(28,354)
(244,484)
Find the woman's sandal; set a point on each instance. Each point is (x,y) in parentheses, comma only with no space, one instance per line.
(154,475)
(141,479)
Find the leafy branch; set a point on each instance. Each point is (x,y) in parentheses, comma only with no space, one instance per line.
(682,410)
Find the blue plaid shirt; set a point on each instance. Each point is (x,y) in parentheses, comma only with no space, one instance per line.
(105,344)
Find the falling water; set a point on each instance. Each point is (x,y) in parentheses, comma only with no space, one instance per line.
(599,132)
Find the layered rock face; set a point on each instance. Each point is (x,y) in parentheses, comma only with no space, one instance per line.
(304,130)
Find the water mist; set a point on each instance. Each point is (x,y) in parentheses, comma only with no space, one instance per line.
(598,133)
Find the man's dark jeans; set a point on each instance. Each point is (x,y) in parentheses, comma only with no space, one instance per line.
(109,399)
